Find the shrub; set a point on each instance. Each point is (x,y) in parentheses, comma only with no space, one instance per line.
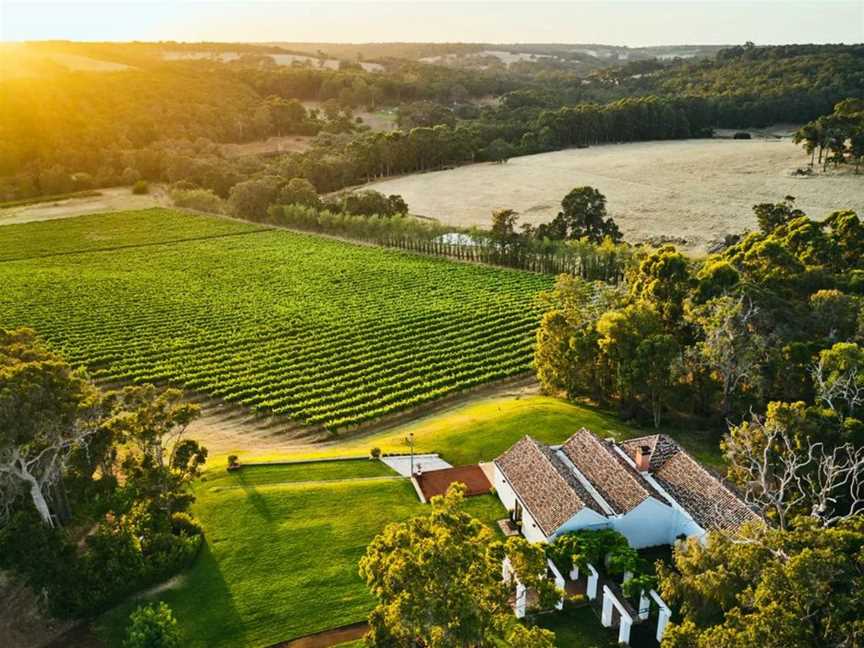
(375,453)
(152,626)
(140,187)
(233,464)
(41,557)
(184,185)
(373,203)
(742,135)
(185,523)
(198,199)
(352,225)
(82,181)
(130,176)
(124,553)
(299,191)
(251,198)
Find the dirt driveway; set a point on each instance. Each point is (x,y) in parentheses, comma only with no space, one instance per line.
(114,199)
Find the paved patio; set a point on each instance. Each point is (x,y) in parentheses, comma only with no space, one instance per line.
(424,462)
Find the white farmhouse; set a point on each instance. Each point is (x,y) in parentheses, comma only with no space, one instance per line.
(649,489)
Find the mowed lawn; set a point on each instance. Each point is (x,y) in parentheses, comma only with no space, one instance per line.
(484,428)
(579,628)
(283,544)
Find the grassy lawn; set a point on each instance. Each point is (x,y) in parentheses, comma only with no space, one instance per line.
(283,541)
(483,429)
(578,628)
(313,471)
(281,557)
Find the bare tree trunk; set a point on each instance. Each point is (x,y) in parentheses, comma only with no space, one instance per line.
(39,500)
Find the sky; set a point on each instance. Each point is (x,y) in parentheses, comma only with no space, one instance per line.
(612,22)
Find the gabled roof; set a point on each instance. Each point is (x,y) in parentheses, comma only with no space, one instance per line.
(703,495)
(546,487)
(610,474)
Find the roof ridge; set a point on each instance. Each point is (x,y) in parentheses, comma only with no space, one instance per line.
(600,448)
(607,447)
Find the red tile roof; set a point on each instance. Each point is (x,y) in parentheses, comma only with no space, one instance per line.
(705,496)
(436,482)
(546,487)
(610,474)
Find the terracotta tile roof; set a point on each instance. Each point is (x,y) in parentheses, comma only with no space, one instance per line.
(552,493)
(703,495)
(546,487)
(610,474)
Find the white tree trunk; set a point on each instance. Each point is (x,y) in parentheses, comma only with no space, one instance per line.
(38,497)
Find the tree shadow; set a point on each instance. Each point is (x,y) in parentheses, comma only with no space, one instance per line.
(258,501)
(198,596)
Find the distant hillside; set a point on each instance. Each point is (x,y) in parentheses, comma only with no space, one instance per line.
(109,113)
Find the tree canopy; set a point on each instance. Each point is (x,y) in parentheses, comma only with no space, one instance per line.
(802,587)
(437,579)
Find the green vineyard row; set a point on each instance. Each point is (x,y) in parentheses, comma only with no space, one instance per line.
(326,333)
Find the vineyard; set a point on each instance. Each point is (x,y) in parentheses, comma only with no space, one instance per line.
(326,333)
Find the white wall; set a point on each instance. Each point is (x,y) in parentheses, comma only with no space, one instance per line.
(687,527)
(530,528)
(649,524)
(584,519)
(503,490)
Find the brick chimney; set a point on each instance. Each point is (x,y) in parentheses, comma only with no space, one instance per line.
(643,458)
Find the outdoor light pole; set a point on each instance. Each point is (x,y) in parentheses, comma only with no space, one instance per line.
(410,441)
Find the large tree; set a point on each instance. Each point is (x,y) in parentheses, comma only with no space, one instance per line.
(47,411)
(797,588)
(732,348)
(159,460)
(793,461)
(437,579)
(583,215)
(251,198)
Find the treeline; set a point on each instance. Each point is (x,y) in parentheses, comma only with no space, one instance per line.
(715,339)
(581,240)
(838,138)
(400,82)
(85,130)
(590,261)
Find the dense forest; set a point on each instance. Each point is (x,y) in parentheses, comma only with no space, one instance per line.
(73,130)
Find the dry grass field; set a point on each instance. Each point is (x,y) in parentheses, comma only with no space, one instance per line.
(697,190)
